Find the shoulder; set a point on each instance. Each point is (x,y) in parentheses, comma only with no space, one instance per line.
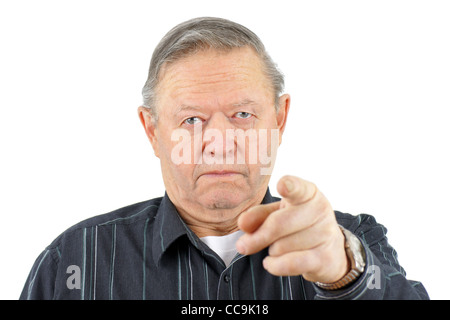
(131,214)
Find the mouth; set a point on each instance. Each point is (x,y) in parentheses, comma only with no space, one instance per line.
(220,174)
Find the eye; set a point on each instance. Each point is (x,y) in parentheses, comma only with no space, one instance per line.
(192,120)
(243,115)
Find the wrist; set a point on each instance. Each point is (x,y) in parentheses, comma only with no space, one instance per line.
(356,261)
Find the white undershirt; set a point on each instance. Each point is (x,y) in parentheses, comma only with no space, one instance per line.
(224,246)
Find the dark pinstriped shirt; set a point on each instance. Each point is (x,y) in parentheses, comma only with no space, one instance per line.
(146,251)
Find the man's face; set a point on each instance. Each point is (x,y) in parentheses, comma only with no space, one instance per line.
(202,100)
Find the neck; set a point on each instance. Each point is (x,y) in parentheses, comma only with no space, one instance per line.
(215,222)
(205,231)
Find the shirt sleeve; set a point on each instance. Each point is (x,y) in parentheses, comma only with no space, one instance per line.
(40,284)
(383,276)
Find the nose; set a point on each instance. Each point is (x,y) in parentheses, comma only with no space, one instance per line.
(218,146)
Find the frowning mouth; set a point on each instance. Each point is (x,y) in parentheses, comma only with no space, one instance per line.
(220,174)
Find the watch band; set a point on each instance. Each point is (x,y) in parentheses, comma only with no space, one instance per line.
(355,253)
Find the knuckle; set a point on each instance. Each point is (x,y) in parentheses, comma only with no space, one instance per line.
(328,231)
(270,231)
(276,249)
(323,210)
(323,206)
(265,236)
(298,262)
(301,263)
(310,262)
(275,223)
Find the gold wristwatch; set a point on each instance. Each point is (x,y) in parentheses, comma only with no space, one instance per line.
(356,255)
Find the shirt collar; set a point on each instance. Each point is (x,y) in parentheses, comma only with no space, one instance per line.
(169,226)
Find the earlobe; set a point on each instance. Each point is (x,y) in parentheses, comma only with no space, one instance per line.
(147,122)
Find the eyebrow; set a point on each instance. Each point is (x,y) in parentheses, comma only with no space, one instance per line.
(244,102)
(184,107)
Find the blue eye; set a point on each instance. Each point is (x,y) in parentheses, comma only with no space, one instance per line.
(192,120)
(243,115)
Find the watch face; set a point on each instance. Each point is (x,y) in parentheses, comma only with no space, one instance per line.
(357,250)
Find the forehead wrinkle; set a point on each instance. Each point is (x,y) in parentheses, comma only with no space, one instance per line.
(193,82)
(194,95)
(210,79)
(184,74)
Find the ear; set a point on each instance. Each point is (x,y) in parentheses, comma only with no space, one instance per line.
(149,125)
(284,103)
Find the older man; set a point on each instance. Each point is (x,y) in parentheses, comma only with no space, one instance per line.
(218,233)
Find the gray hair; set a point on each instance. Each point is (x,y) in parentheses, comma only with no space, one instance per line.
(197,34)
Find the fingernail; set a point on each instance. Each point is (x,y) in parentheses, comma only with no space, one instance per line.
(289,185)
(264,262)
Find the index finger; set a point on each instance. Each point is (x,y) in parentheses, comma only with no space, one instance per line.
(296,191)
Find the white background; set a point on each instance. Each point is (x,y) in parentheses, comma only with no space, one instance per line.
(369,120)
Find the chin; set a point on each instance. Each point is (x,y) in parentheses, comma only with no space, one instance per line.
(223,198)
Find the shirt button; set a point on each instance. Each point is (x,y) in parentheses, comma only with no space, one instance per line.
(226,278)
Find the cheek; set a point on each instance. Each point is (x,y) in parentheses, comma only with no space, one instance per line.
(264,145)
(173,165)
